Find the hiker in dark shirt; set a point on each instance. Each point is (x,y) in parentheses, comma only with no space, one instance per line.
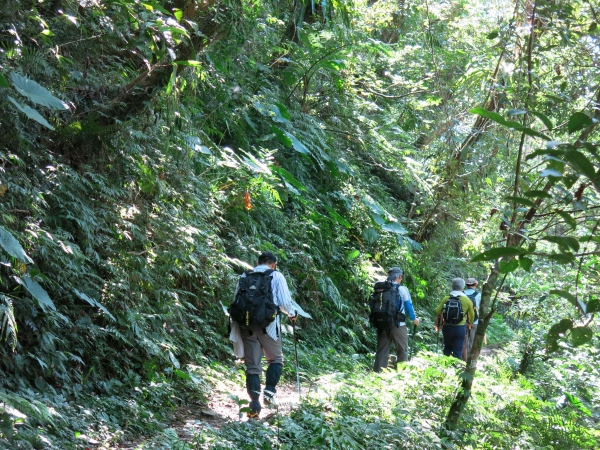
(252,343)
(398,334)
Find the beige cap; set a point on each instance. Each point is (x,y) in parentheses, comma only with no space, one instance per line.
(471,281)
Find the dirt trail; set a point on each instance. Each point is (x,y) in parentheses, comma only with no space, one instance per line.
(223,409)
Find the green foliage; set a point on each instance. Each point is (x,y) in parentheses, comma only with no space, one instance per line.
(170,143)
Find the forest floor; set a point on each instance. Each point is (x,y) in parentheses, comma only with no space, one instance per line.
(223,406)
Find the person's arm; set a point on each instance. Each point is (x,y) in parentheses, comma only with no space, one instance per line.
(282,296)
(438,310)
(408,306)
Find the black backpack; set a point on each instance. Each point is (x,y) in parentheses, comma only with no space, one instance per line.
(472,297)
(384,306)
(253,303)
(453,311)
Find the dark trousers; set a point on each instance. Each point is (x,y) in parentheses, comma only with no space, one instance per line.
(454,339)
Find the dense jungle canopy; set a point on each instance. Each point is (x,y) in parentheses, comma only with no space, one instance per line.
(151,149)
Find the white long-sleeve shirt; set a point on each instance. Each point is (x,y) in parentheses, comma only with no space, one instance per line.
(281,297)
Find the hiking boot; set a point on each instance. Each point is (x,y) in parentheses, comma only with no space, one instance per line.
(253,415)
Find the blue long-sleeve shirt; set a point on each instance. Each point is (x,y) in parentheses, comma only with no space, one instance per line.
(405,305)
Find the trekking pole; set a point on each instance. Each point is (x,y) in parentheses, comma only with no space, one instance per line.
(296,354)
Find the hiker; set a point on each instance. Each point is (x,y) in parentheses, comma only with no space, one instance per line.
(252,340)
(457,313)
(475,297)
(398,332)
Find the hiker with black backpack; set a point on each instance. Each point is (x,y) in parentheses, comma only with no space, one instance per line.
(390,305)
(475,297)
(261,294)
(457,314)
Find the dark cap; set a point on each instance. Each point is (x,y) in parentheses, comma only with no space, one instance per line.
(264,256)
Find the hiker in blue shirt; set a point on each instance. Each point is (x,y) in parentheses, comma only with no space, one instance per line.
(398,334)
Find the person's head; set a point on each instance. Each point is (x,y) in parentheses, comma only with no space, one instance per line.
(395,275)
(471,283)
(268,259)
(458,284)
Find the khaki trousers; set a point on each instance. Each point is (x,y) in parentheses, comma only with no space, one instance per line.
(256,342)
(397,335)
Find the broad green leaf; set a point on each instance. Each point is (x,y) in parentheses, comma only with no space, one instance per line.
(339,219)
(574,400)
(31,113)
(578,121)
(377,219)
(3,82)
(37,291)
(514,125)
(373,206)
(562,258)
(36,93)
(509,266)
(333,64)
(181,374)
(370,235)
(12,247)
(93,302)
(562,327)
(564,242)
(499,252)
(581,335)
(545,151)
(580,163)
(289,77)
(569,220)
(298,146)
(545,120)
(189,62)
(489,115)
(550,173)
(520,201)
(493,35)
(172,80)
(194,143)
(537,194)
(526,263)
(528,131)
(282,136)
(394,227)
(593,306)
(288,177)
(353,255)
(283,111)
(564,294)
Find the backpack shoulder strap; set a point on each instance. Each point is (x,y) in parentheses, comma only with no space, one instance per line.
(268,272)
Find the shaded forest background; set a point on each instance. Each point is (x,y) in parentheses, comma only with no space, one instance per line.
(152,149)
